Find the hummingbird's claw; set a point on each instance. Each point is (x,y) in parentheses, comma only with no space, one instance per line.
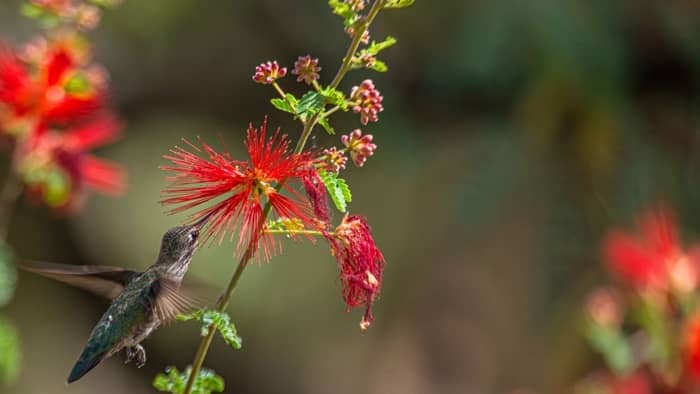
(137,353)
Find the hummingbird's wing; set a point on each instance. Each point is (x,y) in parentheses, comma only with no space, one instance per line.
(173,299)
(104,281)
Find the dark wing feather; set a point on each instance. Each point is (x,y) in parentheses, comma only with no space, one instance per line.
(104,281)
(173,299)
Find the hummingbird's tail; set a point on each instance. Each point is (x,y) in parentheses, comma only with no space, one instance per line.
(83,366)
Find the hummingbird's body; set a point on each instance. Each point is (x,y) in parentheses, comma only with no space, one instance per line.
(141,302)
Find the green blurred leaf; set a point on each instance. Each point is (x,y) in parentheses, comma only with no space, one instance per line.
(611,343)
(379,66)
(221,320)
(77,84)
(399,3)
(375,47)
(344,10)
(10,355)
(57,188)
(338,190)
(31,10)
(8,276)
(174,381)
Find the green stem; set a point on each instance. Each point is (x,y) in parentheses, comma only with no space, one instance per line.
(293,232)
(330,111)
(225,297)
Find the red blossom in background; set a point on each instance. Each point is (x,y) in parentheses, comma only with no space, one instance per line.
(53,92)
(59,167)
(361,264)
(198,180)
(653,259)
(691,348)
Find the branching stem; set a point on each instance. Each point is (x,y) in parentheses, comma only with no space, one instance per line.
(308,126)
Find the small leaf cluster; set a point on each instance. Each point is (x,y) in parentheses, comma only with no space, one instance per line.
(338,189)
(220,320)
(174,381)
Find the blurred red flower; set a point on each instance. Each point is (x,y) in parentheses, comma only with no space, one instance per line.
(52,92)
(59,166)
(654,258)
(361,264)
(198,180)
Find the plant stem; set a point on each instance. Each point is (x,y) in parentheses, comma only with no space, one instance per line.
(293,232)
(9,193)
(225,297)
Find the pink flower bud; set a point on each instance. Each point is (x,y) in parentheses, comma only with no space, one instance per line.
(306,69)
(268,72)
(360,146)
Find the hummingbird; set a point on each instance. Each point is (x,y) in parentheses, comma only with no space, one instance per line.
(141,301)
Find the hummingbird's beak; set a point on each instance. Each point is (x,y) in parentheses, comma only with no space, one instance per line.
(202,221)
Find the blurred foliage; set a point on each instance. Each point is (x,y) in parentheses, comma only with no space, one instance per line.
(10,356)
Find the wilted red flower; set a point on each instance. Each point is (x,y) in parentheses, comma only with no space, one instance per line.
(318,196)
(653,259)
(198,180)
(59,167)
(55,91)
(268,72)
(367,101)
(306,69)
(361,264)
(360,146)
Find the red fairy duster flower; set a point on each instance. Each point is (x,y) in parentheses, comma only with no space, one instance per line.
(245,185)
(653,259)
(59,167)
(361,264)
(54,91)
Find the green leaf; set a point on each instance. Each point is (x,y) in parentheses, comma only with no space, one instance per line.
(375,47)
(221,320)
(281,105)
(174,381)
(335,97)
(338,189)
(310,103)
(31,11)
(10,355)
(379,66)
(399,3)
(611,343)
(326,126)
(58,188)
(8,276)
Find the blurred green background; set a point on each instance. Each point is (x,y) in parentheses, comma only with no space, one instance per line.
(514,134)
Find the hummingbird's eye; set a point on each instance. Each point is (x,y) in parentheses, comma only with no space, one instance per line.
(193,236)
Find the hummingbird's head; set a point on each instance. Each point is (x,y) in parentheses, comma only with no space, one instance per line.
(177,248)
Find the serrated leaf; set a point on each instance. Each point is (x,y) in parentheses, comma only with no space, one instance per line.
(281,105)
(399,3)
(335,97)
(338,190)
(220,320)
(326,126)
(10,356)
(174,381)
(310,103)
